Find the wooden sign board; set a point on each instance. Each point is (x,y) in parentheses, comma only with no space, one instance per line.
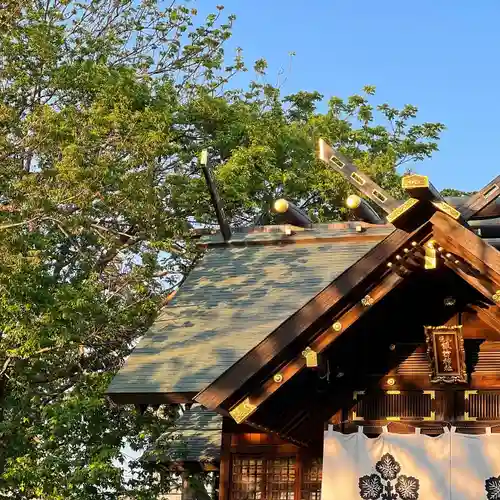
(445,348)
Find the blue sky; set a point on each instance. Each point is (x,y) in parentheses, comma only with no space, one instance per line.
(440,55)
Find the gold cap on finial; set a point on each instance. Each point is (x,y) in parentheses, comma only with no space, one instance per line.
(281,206)
(354,201)
(204,157)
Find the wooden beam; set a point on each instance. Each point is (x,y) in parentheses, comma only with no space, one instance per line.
(419,187)
(333,296)
(214,195)
(363,210)
(468,246)
(484,286)
(291,213)
(486,229)
(482,198)
(489,314)
(477,328)
(357,178)
(301,236)
(324,340)
(489,212)
(225,465)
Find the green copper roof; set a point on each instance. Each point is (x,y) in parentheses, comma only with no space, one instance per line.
(233,299)
(195,437)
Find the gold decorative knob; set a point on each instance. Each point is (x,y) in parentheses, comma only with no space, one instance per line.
(354,201)
(281,206)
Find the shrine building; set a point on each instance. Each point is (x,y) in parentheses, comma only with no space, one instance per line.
(337,361)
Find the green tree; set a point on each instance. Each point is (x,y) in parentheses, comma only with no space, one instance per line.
(90,101)
(104,107)
(264,145)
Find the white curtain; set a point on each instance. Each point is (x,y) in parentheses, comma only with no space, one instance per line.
(475,466)
(451,466)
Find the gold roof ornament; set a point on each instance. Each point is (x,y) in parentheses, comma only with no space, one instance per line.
(353,201)
(281,206)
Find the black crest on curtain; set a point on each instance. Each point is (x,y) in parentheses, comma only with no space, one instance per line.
(389,484)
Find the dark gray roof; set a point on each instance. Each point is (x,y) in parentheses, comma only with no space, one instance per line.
(196,437)
(233,299)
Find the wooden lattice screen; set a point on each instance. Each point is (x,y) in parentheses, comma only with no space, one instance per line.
(480,405)
(262,479)
(311,480)
(394,405)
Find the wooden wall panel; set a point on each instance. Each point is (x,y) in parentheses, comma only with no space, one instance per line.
(394,405)
(478,405)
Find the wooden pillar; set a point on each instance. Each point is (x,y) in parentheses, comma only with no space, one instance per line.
(298,474)
(225,466)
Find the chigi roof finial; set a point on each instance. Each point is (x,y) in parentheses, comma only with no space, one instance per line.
(212,187)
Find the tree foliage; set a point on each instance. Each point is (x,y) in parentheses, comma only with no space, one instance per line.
(264,145)
(104,107)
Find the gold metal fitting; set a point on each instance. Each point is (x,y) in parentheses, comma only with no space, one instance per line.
(311,357)
(367,301)
(450,301)
(281,206)
(353,201)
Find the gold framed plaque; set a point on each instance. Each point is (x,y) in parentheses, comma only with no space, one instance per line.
(445,349)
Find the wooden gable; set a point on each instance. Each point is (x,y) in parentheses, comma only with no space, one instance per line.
(430,231)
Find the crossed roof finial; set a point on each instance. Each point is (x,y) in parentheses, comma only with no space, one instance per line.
(424,199)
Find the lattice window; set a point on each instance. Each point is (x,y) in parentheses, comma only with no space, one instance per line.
(311,480)
(280,479)
(262,479)
(248,479)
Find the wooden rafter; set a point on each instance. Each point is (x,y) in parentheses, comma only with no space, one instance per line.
(419,187)
(468,246)
(490,211)
(471,276)
(323,341)
(335,295)
(482,198)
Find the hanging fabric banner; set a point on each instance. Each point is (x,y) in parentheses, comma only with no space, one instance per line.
(475,463)
(389,467)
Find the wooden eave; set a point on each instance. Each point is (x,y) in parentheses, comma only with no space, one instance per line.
(468,247)
(321,342)
(146,398)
